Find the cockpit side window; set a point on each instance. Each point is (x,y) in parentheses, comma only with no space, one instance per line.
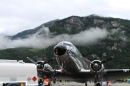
(76,51)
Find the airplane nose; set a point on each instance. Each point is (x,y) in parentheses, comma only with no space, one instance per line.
(60,50)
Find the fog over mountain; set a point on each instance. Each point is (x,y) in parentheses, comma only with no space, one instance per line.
(45,40)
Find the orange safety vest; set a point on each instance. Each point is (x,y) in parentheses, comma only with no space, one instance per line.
(46,81)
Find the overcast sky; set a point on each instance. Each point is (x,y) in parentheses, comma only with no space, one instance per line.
(20,15)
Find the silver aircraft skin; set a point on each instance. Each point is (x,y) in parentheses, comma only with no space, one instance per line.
(75,67)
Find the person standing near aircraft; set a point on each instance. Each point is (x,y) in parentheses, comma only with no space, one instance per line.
(40,82)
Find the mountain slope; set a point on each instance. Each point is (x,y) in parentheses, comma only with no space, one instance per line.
(94,36)
(26,33)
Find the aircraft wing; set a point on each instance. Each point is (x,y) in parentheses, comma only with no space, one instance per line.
(83,75)
(112,74)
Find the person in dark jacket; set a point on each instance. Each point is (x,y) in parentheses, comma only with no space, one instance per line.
(40,82)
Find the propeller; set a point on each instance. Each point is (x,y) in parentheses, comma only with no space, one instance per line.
(31,60)
(106,60)
(48,60)
(96,78)
(48,71)
(97,67)
(42,62)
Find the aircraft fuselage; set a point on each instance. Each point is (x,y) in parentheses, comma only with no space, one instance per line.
(69,58)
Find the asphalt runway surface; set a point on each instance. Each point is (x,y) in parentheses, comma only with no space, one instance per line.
(89,84)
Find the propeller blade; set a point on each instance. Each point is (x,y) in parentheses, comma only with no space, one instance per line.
(96,77)
(31,60)
(49,60)
(108,59)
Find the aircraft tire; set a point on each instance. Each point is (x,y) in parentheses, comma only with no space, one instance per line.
(86,84)
(13,84)
(98,84)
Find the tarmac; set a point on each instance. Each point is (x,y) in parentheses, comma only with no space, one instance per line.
(89,84)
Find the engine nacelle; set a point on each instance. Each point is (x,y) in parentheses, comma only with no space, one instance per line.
(44,70)
(96,66)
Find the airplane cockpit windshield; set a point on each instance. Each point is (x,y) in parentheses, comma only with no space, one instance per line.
(67,44)
(73,48)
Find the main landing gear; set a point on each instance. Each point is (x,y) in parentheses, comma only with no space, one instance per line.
(98,84)
(86,84)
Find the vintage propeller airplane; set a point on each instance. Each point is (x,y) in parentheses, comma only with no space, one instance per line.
(73,67)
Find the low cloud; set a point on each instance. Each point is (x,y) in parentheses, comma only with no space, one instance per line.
(45,40)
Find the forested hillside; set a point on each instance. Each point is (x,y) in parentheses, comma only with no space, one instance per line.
(116,43)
